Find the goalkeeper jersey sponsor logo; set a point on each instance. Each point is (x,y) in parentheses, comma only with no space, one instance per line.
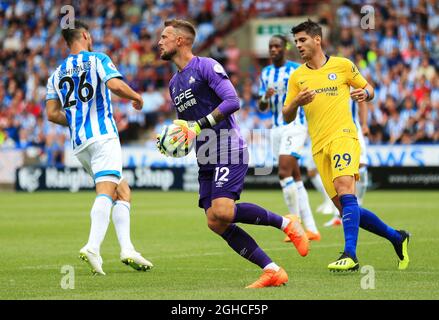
(185,100)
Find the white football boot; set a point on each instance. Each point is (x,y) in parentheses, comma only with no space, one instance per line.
(326,207)
(334,222)
(94,260)
(135,260)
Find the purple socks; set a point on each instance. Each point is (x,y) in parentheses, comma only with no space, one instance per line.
(243,244)
(252,214)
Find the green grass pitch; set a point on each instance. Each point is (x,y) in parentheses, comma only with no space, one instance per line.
(42,232)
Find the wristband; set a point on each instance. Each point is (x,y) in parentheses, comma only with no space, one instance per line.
(368,95)
(206,122)
(211,119)
(264,99)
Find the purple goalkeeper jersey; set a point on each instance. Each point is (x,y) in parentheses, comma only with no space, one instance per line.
(196,91)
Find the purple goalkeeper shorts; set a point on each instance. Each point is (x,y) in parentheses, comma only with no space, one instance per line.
(220,181)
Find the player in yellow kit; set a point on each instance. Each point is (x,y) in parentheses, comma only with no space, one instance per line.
(322,87)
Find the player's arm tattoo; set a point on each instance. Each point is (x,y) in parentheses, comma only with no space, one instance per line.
(217,115)
(211,119)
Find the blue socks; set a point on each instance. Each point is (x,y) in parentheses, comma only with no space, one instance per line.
(351,223)
(355,217)
(370,222)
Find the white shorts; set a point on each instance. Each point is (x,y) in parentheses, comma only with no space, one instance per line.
(308,162)
(289,140)
(103,160)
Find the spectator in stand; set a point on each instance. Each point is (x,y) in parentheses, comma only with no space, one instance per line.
(233,54)
(406,137)
(421,90)
(204,20)
(425,70)
(424,130)
(400,55)
(411,55)
(408,110)
(376,132)
(153,102)
(395,126)
(217,50)
(161,122)
(54,146)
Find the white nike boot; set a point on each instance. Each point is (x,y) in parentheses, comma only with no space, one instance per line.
(94,260)
(135,260)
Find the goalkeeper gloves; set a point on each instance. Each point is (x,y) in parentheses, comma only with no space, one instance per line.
(182,135)
(189,130)
(159,145)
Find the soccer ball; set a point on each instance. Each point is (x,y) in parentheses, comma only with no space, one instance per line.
(173,142)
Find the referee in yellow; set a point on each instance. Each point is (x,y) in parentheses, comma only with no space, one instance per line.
(322,87)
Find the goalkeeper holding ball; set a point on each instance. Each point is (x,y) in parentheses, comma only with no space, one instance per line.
(206,99)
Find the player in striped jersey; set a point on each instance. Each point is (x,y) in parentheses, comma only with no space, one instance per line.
(359,116)
(288,139)
(78,96)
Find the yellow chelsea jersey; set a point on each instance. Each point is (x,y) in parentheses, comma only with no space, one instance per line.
(328,115)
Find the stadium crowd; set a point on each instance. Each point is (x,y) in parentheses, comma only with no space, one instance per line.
(398,54)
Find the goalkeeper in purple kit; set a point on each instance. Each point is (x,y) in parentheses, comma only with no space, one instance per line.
(205,101)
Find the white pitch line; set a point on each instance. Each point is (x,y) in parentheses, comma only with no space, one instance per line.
(194,255)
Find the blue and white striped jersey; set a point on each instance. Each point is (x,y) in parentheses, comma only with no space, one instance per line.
(277,78)
(79,83)
(355,114)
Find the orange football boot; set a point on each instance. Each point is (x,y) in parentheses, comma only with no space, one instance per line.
(270,278)
(297,235)
(288,216)
(309,234)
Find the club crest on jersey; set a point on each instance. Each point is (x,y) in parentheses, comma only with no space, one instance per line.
(332,76)
(111,66)
(218,69)
(191,80)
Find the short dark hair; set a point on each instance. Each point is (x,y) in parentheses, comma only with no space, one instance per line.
(282,38)
(310,27)
(72,34)
(182,25)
